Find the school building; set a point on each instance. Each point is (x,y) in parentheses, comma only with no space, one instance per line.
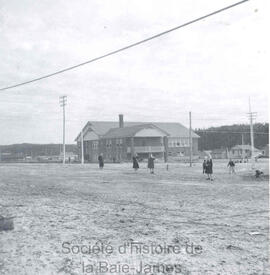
(119,141)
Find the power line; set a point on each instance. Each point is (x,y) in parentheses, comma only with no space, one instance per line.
(124,48)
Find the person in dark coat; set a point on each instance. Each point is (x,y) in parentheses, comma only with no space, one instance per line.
(204,165)
(100,161)
(151,164)
(231,166)
(135,163)
(209,169)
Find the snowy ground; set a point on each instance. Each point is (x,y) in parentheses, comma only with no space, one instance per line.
(61,212)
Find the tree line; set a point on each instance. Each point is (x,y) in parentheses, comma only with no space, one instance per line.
(34,150)
(230,135)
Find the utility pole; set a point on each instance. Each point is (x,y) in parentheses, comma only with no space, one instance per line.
(190,141)
(63,103)
(243,151)
(82,157)
(252,116)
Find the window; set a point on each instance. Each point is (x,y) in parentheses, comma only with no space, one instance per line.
(95,144)
(119,142)
(184,142)
(172,142)
(178,142)
(108,143)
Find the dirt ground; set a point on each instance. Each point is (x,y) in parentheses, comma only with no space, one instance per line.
(77,219)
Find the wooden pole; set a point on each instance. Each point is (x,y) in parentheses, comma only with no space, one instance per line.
(190,141)
(82,148)
(63,102)
(64,135)
(251,116)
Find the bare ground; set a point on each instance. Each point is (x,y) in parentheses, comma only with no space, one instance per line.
(55,205)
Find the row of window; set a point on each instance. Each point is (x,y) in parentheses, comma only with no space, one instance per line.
(119,142)
(240,151)
(178,142)
(180,154)
(173,142)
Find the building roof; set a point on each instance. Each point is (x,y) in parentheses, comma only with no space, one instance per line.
(102,127)
(243,147)
(131,131)
(173,129)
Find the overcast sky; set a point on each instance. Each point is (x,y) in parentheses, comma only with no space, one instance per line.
(210,68)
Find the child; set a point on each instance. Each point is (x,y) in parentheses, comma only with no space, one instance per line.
(231,166)
(204,165)
(135,163)
(100,161)
(151,165)
(209,169)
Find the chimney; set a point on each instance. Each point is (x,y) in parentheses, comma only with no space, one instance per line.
(121,121)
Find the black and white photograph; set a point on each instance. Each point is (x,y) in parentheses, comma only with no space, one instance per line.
(134,137)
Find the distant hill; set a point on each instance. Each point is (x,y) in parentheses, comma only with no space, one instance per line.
(210,138)
(229,135)
(28,149)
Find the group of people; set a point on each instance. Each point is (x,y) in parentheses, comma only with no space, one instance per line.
(150,165)
(135,160)
(207,165)
(208,168)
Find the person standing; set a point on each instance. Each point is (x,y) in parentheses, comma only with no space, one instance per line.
(209,169)
(204,165)
(135,163)
(151,164)
(231,166)
(100,161)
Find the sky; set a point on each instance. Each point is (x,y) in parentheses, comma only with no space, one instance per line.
(210,68)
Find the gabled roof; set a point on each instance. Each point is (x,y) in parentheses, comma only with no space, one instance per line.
(102,127)
(130,131)
(173,129)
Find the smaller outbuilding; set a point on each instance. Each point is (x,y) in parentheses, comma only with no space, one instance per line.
(219,154)
(243,151)
(265,151)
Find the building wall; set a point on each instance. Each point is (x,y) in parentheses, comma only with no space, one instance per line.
(265,151)
(113,150)
(182,148)
(219,155)
(119,149)
(237,153)
(195,142)
(116,149)
(91,150)
(148,141)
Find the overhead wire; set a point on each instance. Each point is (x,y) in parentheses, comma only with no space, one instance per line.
(123,48)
